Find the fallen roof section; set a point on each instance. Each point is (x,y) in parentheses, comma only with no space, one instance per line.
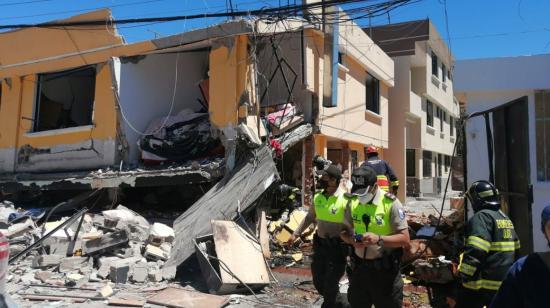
(151,177)
(238,189)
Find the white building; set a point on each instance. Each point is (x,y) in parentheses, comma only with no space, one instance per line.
(422,109)
(517,92)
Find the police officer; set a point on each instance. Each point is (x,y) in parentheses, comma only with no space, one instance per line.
(385,175)
(528,280)
(329,253)
(490,248)
(375,225)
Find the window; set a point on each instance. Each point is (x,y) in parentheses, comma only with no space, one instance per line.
(443,72)
(354,160)
(449,74)
(443,116)
(452,124)
(447,162)
(427,164)
(439,165)
(542,122)
(429,113)
(411,162)
(435,69)
(341,58)
(372,86)
(65,99)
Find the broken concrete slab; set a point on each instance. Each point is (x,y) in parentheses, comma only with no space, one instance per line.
(105,243)
(174,297)
(104,266)
(70,264)
(106,291)
(155,253)
(160,233)
(239,188)
(42,261)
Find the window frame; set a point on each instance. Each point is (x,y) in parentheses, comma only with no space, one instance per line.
(374,102)
(411,162)
(542,116)
(38,94)
(429,113)
(435,65)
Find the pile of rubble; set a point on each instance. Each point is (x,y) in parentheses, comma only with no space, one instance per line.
(117,246)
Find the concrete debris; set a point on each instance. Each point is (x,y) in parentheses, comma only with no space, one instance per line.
(140,272)
(106,291)
(119,273)
(42,261)
(43,276)
(71,264)
(160,233)
(155,253)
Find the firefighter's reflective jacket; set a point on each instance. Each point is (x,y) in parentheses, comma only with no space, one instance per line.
(491,248)
(385,175)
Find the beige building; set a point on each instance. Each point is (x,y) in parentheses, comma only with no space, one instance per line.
(423,111)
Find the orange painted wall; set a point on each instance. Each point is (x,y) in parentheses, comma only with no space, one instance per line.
(15,128)
(228,68)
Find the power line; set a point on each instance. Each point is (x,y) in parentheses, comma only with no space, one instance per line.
(377,8)
(80,10)
(23,2)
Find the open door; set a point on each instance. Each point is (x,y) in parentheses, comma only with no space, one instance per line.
(512,169)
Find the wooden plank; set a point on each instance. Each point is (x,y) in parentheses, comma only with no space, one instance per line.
(180,298)
(126,302)
(250,178)
(240,254)
(52,298)
(264,235)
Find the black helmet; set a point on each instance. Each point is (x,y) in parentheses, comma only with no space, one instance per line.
(483,195)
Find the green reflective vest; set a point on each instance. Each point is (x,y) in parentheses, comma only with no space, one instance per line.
(378,216)
(329,209)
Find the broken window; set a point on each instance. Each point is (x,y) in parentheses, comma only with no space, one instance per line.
(427,164)
(429,113)
(542,122)
(372,87)
(435,70)
(65,99)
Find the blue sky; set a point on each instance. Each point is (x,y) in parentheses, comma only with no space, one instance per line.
(478,28)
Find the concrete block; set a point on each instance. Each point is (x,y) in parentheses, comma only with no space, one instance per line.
(106,291)
(74,277)
(104,265)
(70,264)
(155,253)
(155,275)
(119,273)
(42,261)
(140,272)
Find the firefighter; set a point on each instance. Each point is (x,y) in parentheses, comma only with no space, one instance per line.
(491,246)
(375,225)
(329,252)
(384,173)
(528,279)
